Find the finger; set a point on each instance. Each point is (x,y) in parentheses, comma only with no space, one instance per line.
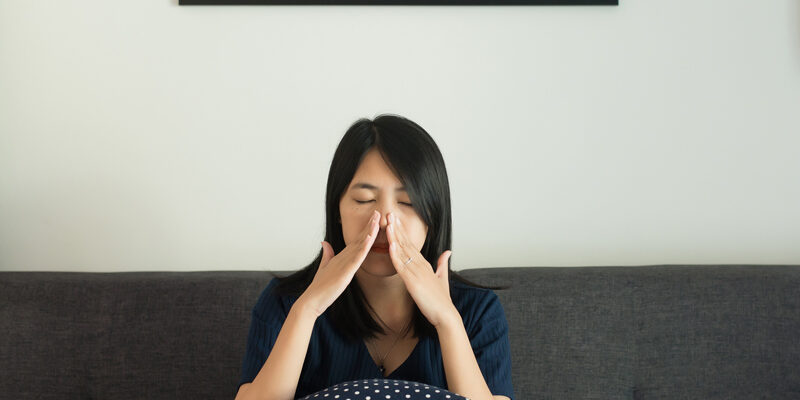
(398,260)
(406,248)
(372,229)
(327,254)
(399,230)
(442,265)
(369,228)
(356,251)
(368,234)
(369,238)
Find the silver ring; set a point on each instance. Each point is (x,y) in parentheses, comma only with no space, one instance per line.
(407,261)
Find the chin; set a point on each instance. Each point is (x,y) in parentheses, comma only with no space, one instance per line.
(379,265)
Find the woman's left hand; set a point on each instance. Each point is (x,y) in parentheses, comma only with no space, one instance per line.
(430,290)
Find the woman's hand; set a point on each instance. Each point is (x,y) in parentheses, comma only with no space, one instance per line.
(430,290)
(336,272)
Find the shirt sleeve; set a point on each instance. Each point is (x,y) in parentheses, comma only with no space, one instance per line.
(488,334)
(267,318)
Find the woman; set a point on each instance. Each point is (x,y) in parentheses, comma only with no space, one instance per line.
(372,305)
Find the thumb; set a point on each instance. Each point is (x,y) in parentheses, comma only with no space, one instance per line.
(327,253)
(441,269)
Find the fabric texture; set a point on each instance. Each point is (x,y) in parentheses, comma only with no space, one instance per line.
(332,359)
(383,389)
(652,332)
(648,332)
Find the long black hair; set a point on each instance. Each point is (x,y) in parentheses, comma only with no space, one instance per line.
(414,157)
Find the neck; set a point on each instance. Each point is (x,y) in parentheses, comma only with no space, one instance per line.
(388,297)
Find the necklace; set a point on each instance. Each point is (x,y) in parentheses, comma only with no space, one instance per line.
(380,361)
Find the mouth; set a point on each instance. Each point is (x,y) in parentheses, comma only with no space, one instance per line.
(380,247)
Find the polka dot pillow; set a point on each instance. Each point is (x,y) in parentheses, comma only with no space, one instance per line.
(383,389)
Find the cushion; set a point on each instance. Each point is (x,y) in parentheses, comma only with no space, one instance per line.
(383,389)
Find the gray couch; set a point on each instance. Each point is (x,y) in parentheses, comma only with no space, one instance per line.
(656,332)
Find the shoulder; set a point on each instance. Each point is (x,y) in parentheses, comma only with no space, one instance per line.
(475,304)
(271,305)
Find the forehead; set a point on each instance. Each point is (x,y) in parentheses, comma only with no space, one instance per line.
(375,171)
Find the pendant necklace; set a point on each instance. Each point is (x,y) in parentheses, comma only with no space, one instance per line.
(380,362)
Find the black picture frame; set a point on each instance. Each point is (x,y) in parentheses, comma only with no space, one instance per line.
(403,2)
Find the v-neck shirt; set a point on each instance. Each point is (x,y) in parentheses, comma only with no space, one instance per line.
(331,358)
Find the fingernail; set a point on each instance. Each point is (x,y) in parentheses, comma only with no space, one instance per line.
(391,217)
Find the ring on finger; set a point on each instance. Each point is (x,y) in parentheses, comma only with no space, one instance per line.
(407,261)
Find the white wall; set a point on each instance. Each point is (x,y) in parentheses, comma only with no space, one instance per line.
(140,135)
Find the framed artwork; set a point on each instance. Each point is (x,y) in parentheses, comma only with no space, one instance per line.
(405,2)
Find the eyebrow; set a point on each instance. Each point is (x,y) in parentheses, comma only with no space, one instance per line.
(362,185)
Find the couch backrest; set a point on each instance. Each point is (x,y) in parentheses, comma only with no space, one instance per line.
(656,332)
(576,333)
(152,335)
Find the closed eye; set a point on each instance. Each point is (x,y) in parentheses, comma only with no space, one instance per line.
(369,201)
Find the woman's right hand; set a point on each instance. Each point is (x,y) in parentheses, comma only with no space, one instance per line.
(336,272)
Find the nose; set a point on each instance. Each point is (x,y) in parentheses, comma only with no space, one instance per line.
(384,220)
(384,210)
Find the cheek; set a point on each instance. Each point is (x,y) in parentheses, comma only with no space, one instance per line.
(354,219)
(417,230)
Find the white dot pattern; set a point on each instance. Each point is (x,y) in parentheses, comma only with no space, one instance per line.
(384,389)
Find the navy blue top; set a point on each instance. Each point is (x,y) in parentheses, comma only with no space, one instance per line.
(332,359)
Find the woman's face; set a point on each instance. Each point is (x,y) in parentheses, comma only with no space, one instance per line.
(375,187)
